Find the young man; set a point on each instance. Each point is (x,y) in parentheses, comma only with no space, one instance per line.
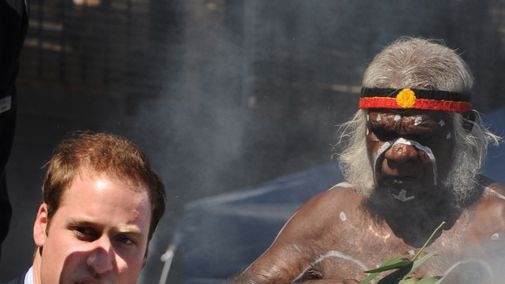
(411,162)
(101,204)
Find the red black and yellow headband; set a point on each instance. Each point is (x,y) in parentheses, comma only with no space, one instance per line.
(414,99)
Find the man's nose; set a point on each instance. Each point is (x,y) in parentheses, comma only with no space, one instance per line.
(401,153)
(101,258)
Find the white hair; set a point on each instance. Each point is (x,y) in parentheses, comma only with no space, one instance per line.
(418,63)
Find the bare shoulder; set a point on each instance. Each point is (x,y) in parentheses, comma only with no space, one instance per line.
(489,212)
(491,185)
(342,194)
(324,210)
(493,195)
(339,197)
(308,234)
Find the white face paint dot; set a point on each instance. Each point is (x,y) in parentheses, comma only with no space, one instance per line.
(379,117)
(441,123)
(397,118)
(343,217)
(448,136)
(495,236)
(412,252)
(418,120)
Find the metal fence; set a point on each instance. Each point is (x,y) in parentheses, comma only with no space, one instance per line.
(105,46)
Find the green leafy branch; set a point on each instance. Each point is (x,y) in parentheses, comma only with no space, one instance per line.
(404,267)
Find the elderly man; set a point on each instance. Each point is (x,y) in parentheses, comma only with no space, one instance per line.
(411,162)
(101,204)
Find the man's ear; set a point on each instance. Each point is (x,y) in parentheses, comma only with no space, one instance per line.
(468,119)
(40,226)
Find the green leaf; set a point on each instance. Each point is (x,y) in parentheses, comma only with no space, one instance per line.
(405,267)
(373,274)
(401,263)
(396,262)
(420,261)
(428,240)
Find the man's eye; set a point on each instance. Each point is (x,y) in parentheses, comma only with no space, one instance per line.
(125,240)
(86,233)
(382,135)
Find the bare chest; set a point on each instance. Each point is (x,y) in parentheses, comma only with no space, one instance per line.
(361,246)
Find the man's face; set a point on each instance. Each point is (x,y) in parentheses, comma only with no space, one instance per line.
(407,165)
(99,234)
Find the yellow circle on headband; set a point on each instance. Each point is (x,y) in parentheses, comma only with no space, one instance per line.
(406,98)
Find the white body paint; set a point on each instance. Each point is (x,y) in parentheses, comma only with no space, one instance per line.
(418,120)
(402,196)
(484,265)
(343,216)
(336,254)
(342,184)
(495,193)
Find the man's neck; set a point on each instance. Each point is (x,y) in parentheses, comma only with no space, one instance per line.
(36,267)
(414,220)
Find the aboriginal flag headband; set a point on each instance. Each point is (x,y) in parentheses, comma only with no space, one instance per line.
(414,99)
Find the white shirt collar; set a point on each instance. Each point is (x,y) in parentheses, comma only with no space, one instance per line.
(29,276)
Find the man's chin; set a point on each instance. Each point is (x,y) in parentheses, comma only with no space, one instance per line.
(85,278)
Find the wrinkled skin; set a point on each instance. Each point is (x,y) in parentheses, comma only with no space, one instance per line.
(340,233)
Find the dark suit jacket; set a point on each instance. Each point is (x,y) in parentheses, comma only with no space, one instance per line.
(13,27)
(18,280)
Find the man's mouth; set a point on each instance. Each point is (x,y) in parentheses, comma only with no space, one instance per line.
(89,280)
(400,182)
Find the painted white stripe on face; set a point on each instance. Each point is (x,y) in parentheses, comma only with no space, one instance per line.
(448,136)
(423,148)
(397,118)
(441,123)
(418,120)
(384,147)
